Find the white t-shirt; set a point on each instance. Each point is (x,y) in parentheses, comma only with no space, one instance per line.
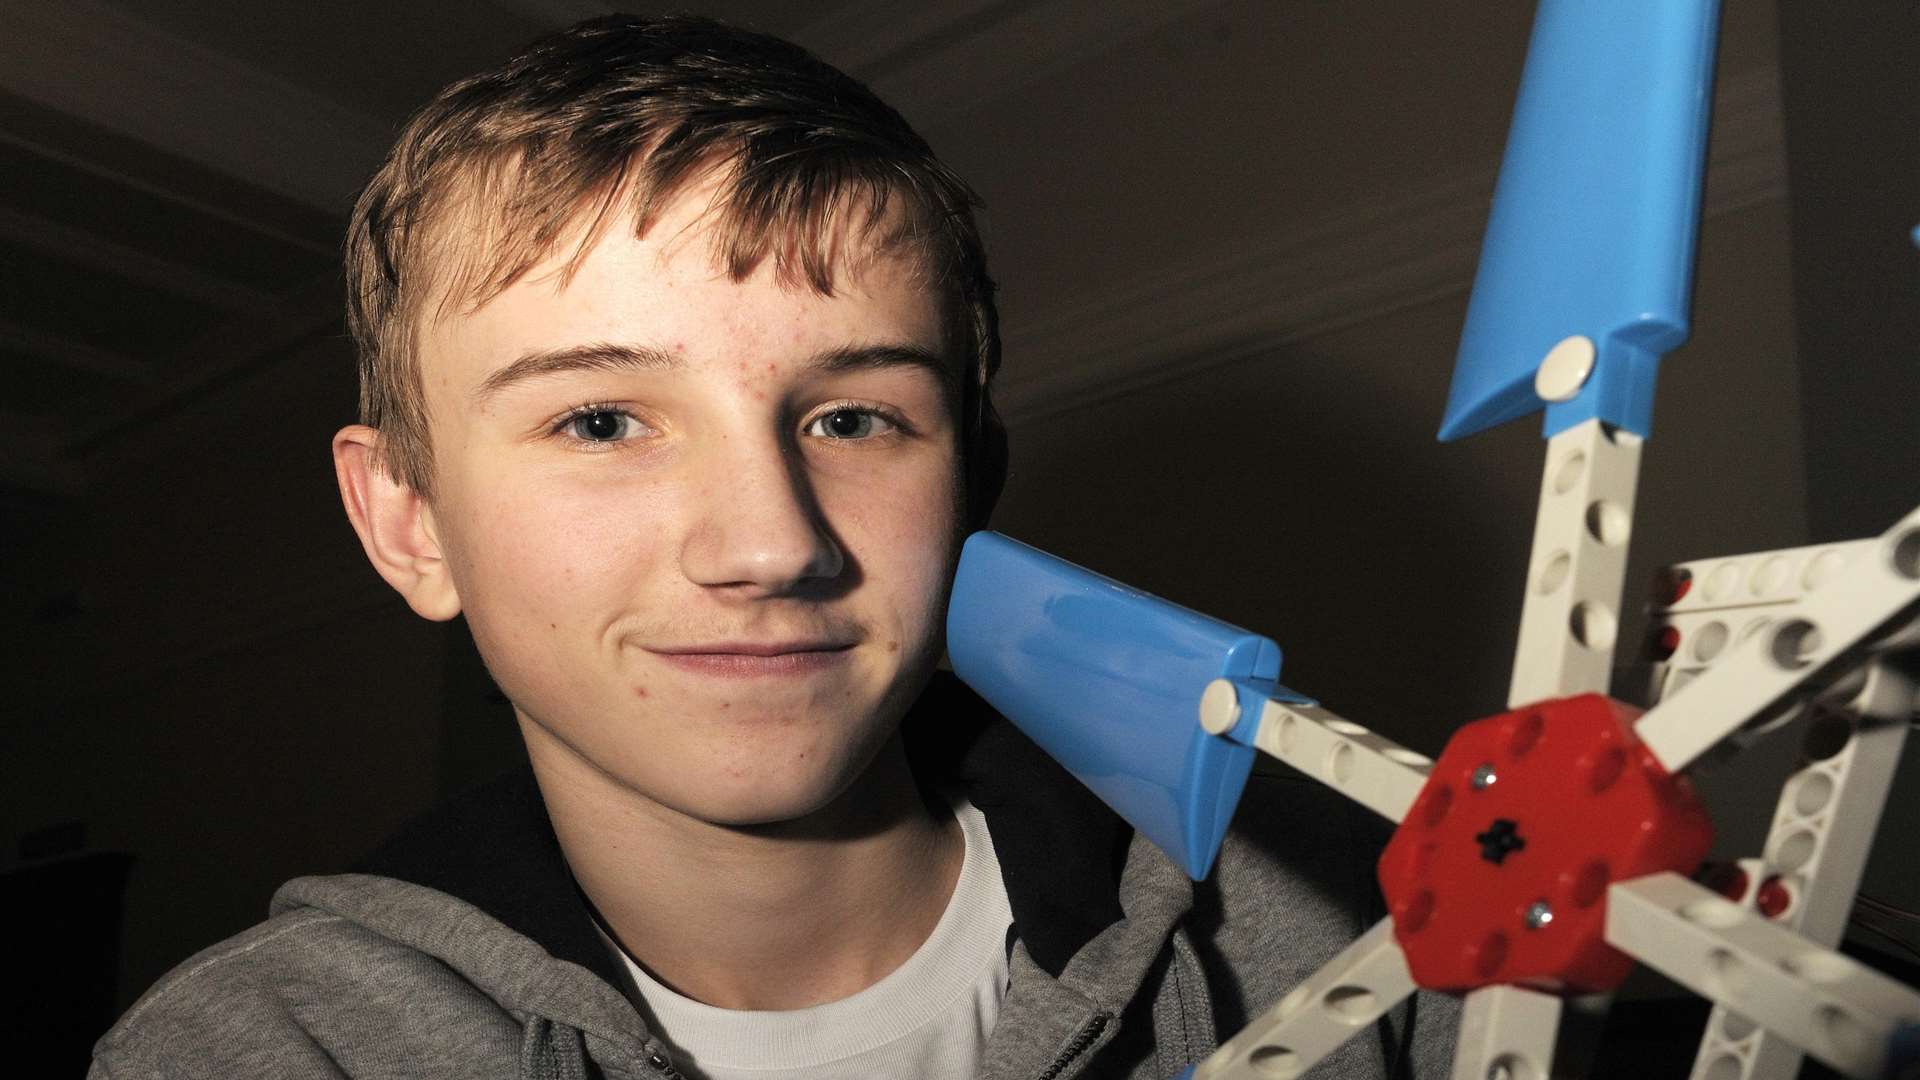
(928,1019)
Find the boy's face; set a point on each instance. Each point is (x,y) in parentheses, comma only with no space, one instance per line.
(702,530)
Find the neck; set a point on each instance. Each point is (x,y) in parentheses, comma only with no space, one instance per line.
(769,917)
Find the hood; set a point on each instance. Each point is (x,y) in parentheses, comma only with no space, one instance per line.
(1061,850)
(480,883)
(568,1011)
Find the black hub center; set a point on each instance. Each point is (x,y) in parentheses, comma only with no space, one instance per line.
(1501,839)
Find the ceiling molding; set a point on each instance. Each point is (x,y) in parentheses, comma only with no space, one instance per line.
(861,38)
(1310,278)
(68,244)
(554,14)
(937,62)
(97,62)
(228,351)
(220,211)
(75,355)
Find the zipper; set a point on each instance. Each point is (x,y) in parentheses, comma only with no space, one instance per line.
(1086,1037)
(663,1065)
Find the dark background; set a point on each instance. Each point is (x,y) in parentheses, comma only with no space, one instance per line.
(1234,239)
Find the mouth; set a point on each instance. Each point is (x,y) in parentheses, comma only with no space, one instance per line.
(748,659)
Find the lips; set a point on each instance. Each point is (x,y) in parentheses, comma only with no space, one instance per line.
(755,648)
(740,659)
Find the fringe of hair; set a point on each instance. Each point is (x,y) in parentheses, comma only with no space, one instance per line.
(621,115)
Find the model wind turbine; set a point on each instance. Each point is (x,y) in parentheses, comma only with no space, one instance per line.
(1548,848)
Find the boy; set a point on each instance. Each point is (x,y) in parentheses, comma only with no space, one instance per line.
(675,355)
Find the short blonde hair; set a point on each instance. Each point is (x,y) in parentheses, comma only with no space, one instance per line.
(620,113)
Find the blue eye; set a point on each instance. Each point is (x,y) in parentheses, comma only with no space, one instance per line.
(850,423)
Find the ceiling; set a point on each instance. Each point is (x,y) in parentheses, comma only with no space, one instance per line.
(175,174)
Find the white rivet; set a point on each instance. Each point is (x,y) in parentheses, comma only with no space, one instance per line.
(1219,707)
(1565,370)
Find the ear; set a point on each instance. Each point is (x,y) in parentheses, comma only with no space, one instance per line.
(395,525)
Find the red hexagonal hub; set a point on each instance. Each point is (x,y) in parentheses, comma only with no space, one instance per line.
(1499,872)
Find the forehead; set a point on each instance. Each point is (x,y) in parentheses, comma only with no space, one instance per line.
(670,289)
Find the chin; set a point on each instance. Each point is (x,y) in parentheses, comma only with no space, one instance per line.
(750,803)
(781,785)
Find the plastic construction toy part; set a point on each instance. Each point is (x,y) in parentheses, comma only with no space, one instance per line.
(1662,643)
(1573,248)
(1719,604)
(1506,1033)
(1570,618)
(1565,370)
(1505,882)
(1595,213)
(1219,707)
(1784,576)
(1367,768)
(1838,1010)
(1106,678)
(1864,606)
(1344,997)
(1671,586)
(1817,851)
(1830,807)
(1730,880)
(1774,897)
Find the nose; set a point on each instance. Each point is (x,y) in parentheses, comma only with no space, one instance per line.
(758,527)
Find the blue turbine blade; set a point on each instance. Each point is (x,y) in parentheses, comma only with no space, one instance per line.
(1595,214)
(1107,679)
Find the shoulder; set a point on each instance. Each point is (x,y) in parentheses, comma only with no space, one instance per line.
(307,993)
(1294,885)
(243,990)
(1306,840)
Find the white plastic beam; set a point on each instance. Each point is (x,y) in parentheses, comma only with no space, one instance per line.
(1858,609)
(1816,853)
(1834,1008)
(1344,997)
(1728,600)
(1506,1032)
(1571,616)
(1370,769)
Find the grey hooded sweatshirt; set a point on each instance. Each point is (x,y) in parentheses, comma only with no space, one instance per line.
(462,948)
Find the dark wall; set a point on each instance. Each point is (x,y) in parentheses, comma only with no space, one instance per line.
(230,694)
(1852,104)
(214,680)
(1300,493)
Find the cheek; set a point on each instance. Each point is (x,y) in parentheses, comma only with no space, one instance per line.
(905,536)
(536,555)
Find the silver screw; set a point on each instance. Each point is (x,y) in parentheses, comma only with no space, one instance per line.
(1539,914)
(1484,776)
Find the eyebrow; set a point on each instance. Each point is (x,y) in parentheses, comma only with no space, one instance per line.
(851,358)
(601,356)
(608,356)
